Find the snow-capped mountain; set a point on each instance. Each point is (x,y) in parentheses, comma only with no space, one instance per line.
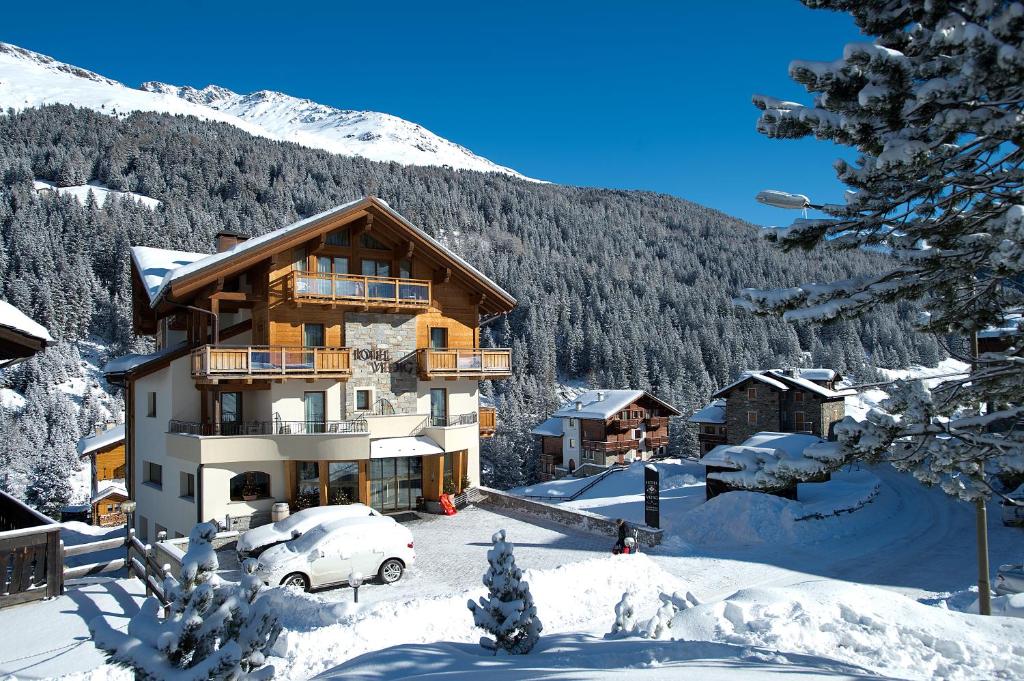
(29,79)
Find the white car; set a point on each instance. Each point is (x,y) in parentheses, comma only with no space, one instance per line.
(327,554)
(257,540)
(1010,579)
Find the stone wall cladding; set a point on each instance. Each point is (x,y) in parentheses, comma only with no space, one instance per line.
(766,404)
(395,333)
(831,414)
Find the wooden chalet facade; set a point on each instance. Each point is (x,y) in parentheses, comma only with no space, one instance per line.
(604,427)
(107,473)
(336,359)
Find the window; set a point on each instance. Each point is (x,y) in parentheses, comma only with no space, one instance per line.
(364,396)
(250,485)
(751,418)
(798,396)
(153,473)
(339,237)
(376,268)
(315,411)
(369,241)
(405,268)
(299,259)
(313,335)
(721,430)
(751,393)
(438,337)
(799,422)
(572,443)
(438,407)
(710,430)
(151,405)
(230,412)
(637,434)
(326,264)
(342,482)
(187,485)
(572,423)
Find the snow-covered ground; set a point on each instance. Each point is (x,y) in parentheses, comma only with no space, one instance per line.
(99,191)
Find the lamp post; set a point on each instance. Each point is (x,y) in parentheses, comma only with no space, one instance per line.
(128,506)
(355,580)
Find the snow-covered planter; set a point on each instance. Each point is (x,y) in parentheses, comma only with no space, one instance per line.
(213,630)
(507,612)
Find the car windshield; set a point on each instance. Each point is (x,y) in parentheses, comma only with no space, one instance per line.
(307,541)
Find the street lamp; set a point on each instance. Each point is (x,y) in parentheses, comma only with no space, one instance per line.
(128,506)
(778,199)
(355,580)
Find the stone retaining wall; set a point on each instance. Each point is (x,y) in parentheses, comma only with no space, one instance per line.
(583,521)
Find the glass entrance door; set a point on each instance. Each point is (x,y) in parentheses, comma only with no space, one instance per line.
(313,403)
(438,407)
(395,484)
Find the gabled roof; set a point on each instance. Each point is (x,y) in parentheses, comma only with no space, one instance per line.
(156,265)
(752,376)
(783,381)
(192,272)
(813,387)
(107,438)
(20,335)
(712,413)
(112,488)
(550,428)
(603,404)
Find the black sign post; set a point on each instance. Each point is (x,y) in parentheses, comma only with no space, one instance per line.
(652,496)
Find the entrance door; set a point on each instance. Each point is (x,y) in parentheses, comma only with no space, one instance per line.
(438,407)
(395,484)
(315,412)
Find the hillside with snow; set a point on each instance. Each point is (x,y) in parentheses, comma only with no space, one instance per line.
(29,79)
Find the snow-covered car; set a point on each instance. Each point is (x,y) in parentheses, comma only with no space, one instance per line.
(1013,513)
(1010,579)
(257,540)
(327,554)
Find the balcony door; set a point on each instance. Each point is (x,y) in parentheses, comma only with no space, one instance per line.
(396,484)
(231,413)
(438,407)
(315,411)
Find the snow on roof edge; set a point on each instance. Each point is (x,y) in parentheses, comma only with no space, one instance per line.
(108,437)
(13,318)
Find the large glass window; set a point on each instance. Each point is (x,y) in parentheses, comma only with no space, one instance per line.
(396,484)
(307,484)
(376,268)
(342,482)
(405,268)
(339,237)
(250,485)
(449,474)
(370,241)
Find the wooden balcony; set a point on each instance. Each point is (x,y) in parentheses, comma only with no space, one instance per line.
(657,422)
(358,292)
(478,363)
(213,363)
(613,446)
(625,424)
(656,441)
(488,421)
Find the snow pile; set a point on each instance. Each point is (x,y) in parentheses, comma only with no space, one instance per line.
(100,192)
(866,626)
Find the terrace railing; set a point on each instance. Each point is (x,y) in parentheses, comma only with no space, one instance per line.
(482,363)
(265,361)
(364,291)
(488,421)
(276,427)
(31,561)
(613,446)
(449,421)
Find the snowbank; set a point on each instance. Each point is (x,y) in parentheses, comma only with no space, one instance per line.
(99,192)
(866,626)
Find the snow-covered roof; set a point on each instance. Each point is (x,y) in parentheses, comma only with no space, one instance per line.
(778,445)
(155,266)
(817,374)
(13,318)
(126,363)
(550,428)
(712,413)
(757,376)
(781,379)
(610,402)
(108,437)
(1011,326)
(813,387)
(169,266)
(111,487)
(391,447)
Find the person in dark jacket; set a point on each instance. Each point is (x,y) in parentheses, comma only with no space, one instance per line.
(620,542)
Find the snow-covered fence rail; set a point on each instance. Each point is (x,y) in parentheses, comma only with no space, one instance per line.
(30,554)
(575,495)
(98,567)
(569,517)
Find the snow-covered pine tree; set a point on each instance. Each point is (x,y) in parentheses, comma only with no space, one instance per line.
(625,617)
(214,630)
(934,109)
(507,612)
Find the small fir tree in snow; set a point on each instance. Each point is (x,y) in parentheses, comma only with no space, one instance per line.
(659,625)
(214,629)
(507,612)
(625,617)
(933,107)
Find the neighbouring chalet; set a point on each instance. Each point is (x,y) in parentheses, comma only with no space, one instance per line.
(20,336)
(107,488)
(604,427)
(333,360)
(775,400)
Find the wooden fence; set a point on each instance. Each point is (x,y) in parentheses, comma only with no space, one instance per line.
(30,554)
(140,559)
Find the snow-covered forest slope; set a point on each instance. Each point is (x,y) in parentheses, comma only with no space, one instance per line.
(30,79)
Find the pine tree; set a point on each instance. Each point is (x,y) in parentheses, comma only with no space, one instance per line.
(214,630)
(933,109)
(507,612)
(625,617)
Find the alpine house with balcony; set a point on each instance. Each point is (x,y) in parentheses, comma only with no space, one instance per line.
(334,360)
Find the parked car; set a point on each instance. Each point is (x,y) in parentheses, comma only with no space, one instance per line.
(1010,579)
(327,554)
(257,540)
(1013,514)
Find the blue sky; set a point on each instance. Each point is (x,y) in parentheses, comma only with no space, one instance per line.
(633,95)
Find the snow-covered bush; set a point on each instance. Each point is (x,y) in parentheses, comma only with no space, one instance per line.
(771,469)
(507,612)
(625,617)
(213,629)
(659,625)
(932,108)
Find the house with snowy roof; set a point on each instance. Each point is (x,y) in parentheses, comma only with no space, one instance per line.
(604,427)
(774,400)
(20,335)
(333,360)
(768,462)
(107,472)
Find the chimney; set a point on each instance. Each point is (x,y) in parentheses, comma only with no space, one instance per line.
(98,428)
(579,406)
(227,239)
(600,396)
(109,425)
(793,372)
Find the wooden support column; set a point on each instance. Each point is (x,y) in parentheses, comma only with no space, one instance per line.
(324,479)
(289,482)
(364,482)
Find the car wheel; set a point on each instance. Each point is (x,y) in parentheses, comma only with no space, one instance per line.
(390,571)
(296,580)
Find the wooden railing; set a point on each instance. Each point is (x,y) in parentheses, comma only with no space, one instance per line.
(657,422)
(625,424)
(656,441)
(30,554)
(276,427)
(249,361)
(613,446)
(488,421)
(353,289)
(465,362)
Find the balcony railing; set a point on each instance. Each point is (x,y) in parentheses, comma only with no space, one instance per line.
(450,421)
(263,361)
(488,421)
(625,424)
(656,441)
(613,446)
(464,363)
(242,428)
(657,421)
(362,291)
